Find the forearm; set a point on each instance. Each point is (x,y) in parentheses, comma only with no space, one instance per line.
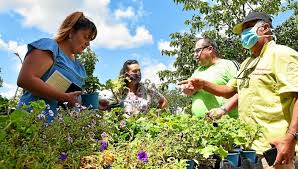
(231,103)
(218,90)
(39,88)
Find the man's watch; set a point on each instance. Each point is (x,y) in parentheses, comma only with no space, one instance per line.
(224,109)
(295,134)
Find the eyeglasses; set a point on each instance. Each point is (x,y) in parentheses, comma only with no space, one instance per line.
(198,50)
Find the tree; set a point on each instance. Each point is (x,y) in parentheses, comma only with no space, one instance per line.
(288,30)
(216,19)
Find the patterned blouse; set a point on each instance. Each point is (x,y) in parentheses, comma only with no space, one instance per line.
(146,97)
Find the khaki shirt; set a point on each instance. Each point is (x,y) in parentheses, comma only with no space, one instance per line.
(266,88)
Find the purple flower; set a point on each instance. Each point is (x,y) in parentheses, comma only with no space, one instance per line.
(142,156)
(103,146)
(63,156)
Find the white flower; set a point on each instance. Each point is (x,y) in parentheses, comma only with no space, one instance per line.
(65,103)
(41,116)
(51,113)
(70,140)
(77,105)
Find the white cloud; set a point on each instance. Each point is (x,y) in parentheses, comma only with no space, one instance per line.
(14,48)
(150,67)
(3,45)
(118,36)
(46,15)
(8,90)
(128,13)
(165,45)
(150,72)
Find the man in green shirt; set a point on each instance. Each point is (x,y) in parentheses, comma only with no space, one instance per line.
(267,87)
(213,69)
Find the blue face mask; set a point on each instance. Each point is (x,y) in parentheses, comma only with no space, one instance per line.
(249,37)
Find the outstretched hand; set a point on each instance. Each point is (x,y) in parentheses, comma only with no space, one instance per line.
(194,84)
(216,113)
(285,149)
(72,98)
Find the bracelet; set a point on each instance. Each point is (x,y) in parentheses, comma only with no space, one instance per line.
(224,109)
(294,134)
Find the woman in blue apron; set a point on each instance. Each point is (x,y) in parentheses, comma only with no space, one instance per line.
(50,67)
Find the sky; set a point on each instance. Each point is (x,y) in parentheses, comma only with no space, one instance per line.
(127,29)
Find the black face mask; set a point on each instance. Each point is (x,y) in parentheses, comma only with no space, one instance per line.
(135,77)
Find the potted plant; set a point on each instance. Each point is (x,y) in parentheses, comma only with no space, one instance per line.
(90,94)
(252,132)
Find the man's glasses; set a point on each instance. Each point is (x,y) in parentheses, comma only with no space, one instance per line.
(198,50)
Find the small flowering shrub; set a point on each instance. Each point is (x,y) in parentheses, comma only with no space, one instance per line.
(167,141)
(28,142)
(80,138)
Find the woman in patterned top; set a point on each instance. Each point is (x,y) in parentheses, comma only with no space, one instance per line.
(139,96)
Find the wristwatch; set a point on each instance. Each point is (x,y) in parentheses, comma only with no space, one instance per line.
(295,134)
(224,109)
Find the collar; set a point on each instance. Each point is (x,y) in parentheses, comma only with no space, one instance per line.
(267,45)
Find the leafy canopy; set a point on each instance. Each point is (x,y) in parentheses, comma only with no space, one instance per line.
(215,19)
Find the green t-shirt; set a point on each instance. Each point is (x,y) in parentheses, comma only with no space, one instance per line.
(219,73)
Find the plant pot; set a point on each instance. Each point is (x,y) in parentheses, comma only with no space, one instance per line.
(190,164)
(250,155)
(90,100)
(233,158)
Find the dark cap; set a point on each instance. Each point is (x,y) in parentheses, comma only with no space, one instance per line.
(252,16)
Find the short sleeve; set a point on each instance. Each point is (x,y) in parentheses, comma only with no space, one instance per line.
(232,70)
(44,44)
(233,83)
(285,67)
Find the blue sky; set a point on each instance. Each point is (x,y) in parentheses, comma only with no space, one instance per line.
(128,29)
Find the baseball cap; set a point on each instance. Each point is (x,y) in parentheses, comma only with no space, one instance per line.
(254,15)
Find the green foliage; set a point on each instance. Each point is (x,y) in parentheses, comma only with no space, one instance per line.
(4,103)
(169,141)
(89,59)
(178,102)
(117,87)
(27,142)
(287,31)
(92,84)
(216,19)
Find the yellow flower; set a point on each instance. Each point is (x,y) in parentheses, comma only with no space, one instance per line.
(106,158)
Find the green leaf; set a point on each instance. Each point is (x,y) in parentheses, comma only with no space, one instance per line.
(222,152)
(18,115)
(208,150)
(2,134)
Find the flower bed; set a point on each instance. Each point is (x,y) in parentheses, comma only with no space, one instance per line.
(89,139)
